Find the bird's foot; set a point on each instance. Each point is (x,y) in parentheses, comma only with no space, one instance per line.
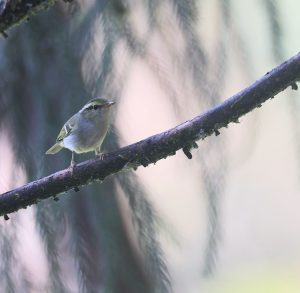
(101,156)
(72,166)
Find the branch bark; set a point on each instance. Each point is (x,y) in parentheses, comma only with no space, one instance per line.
(17,11)
(159,146)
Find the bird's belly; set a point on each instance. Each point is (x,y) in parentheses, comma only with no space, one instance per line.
(84,142)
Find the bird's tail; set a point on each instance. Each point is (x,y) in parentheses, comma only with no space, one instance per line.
(54,149)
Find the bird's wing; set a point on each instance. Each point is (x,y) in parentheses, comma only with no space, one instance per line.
(66,130)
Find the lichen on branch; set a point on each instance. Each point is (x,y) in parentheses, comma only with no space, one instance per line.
(18,11)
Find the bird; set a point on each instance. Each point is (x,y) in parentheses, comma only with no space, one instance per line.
(85,131)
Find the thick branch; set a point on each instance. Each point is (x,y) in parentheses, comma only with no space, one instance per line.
(159,146)
(16,11)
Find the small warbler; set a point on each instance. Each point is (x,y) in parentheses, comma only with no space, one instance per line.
(85,131)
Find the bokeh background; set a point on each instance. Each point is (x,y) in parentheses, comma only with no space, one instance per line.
(226,221)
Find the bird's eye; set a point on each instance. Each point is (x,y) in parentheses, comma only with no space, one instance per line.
(96,107)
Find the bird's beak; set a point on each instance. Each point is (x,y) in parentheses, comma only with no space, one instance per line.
(108,104)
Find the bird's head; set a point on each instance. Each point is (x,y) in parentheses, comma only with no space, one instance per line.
(96,107)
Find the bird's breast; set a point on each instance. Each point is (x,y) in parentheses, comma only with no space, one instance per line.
(86,138)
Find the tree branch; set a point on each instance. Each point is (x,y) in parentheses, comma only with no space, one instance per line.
(17,11)
(159,146)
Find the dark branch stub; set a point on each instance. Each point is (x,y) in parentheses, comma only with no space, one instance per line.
(159,146)
(4,34)
(144,160)
(294,86)
(217,132)
(187,149)
(187,152)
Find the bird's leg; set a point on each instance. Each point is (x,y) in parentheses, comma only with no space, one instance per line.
(72,164)
(98,153)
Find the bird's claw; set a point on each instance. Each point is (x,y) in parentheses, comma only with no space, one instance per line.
(72,167)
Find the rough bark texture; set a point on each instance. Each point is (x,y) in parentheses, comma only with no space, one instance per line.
(16,11)
(159,146)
